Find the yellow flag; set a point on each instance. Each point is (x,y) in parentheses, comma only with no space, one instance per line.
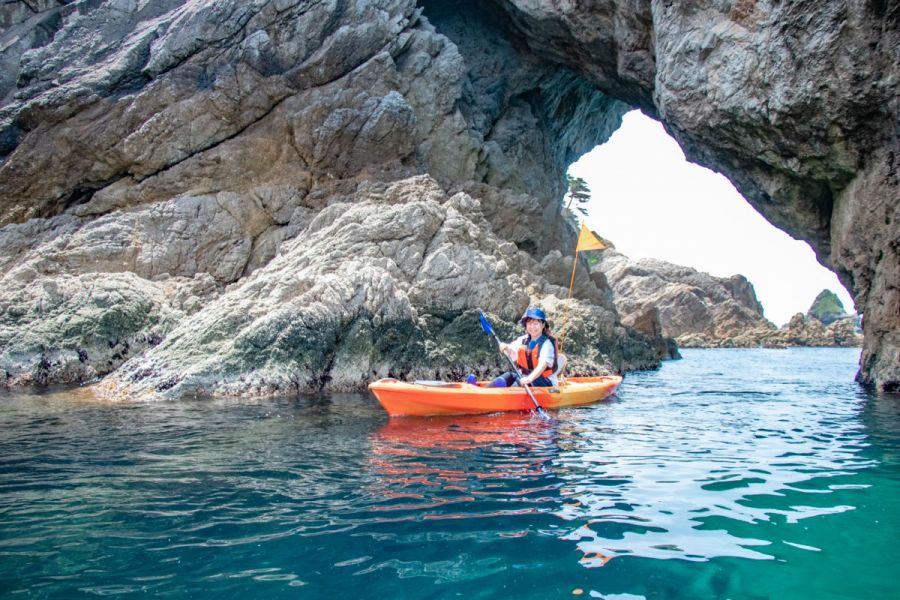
(588,241)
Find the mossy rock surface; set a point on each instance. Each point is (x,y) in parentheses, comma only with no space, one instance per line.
(827,308)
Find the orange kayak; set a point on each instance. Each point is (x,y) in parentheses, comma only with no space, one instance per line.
(427,398)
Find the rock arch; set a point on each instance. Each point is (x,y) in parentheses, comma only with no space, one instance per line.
(797,106)
(218,197)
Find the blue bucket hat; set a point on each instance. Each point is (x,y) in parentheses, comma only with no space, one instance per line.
(534,313)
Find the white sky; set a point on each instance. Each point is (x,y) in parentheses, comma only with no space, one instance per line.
(650,202)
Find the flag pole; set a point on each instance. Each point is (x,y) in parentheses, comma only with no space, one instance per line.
(586,241)
(568,300)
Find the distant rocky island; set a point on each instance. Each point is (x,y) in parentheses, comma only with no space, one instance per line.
(219,197)
(699,310)
(827,308)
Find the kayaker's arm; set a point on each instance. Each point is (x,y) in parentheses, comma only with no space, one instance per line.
(511,350)
(538,369)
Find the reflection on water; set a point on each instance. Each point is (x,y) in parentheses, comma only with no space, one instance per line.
(498,462)
(623,488)
(729,474)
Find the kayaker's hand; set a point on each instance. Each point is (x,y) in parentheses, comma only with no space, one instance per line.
(504,347)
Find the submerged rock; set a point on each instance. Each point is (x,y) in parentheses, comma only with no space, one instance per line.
(197,170)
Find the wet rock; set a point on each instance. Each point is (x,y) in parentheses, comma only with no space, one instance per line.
(74,328)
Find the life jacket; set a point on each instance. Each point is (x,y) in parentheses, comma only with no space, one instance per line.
(528,359)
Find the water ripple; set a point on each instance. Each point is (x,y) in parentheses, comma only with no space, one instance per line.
(687,485)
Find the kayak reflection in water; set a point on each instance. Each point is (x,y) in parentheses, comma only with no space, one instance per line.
(535,353)
(479,456)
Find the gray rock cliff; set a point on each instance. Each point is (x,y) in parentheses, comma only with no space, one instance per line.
(797,104)
(222,196)
(699,310)
(695,308)
(233,198)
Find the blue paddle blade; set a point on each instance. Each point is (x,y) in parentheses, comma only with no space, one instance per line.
(485,325)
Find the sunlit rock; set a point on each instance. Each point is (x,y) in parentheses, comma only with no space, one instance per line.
(695,308)
(380,284)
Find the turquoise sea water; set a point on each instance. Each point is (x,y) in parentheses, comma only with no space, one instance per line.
(729,474)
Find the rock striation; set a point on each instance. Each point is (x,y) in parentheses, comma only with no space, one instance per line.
(182,182)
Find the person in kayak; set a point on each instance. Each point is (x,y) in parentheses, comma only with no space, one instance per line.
(535,353)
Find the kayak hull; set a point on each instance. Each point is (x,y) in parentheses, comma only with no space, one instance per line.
(400,398)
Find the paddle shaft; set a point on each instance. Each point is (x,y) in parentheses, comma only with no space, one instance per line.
(519,375)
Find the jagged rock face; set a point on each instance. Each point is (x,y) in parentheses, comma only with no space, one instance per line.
(695,308)
(797,104)
(702,311)
(379,284)
(180,151)
(222,197)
